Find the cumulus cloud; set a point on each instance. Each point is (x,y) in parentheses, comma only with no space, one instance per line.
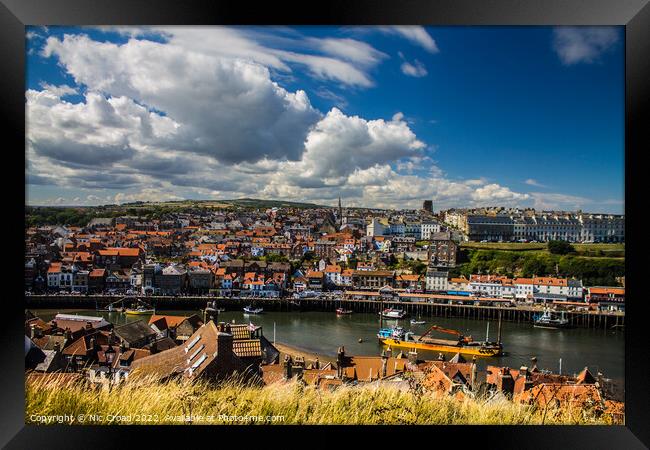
(199,115)
(583,44)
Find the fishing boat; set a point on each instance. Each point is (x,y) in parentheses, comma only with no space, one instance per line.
(139,311)
(464,344)
(417,322)
(391,313)
(551,320)
(388,333)
(250,310)
(343,311)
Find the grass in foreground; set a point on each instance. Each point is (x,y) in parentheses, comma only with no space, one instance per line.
(150,402)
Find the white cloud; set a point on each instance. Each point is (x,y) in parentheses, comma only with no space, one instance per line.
(533,182)
(557,201)
(199,116)
(500,194)
(416,69)
(416,34)
(583,44)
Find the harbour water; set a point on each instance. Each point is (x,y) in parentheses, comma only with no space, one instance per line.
(323,332)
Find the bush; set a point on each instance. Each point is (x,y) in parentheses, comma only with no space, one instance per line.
(560,247)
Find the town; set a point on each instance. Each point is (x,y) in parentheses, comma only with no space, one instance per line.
(351,257)
(290,252)
(94,353)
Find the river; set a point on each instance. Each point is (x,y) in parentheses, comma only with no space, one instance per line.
(323,332)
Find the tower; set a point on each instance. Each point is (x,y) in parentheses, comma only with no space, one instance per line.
(340,214)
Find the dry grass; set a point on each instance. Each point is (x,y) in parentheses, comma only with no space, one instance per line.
(151,402)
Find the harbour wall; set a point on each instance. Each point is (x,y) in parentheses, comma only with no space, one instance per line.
(587,319)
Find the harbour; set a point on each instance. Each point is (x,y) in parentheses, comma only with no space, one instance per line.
(322,332)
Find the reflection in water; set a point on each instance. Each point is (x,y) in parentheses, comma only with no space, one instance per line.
(323,332)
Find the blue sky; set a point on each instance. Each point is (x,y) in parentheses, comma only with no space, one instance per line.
(383,116)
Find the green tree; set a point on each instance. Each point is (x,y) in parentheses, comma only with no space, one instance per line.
(560,247)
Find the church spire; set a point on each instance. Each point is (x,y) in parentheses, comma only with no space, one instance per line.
(340,213)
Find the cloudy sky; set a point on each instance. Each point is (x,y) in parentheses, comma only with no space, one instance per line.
(382,116)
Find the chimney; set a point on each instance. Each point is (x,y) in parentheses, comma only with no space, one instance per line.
(57,347)
(287,366)
(316,364)
(389,352)
(91,343)
(89,326)
(224,345)
(474,373)
(67,335)
(340,358)
(441,357)
(384,363)
(53,324)
(413,356)
(32,331)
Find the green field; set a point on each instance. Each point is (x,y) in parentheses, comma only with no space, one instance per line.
(589,250)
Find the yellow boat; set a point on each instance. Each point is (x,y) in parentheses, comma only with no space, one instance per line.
(474,348)
(139,311)
(397,338)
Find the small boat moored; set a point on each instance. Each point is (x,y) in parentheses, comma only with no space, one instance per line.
(551,320)
(140,310)
(417,322)
(343,311)
(391,313)
(250,310)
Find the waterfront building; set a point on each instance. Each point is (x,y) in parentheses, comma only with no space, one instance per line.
(607,298)
(437,281)
(372,279)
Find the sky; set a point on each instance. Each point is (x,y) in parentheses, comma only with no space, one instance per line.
(383,117)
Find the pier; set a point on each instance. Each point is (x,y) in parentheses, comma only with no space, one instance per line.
(521,313)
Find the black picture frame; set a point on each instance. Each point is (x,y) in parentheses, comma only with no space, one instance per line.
(633,14)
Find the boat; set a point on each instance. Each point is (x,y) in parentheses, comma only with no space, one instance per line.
(342,311)
(140,310)
(250,310)
(463,345)
(391,313)
(551,320)
(393,332)
(417,322)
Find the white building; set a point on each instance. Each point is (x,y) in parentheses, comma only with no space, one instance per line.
(428,228)
(437,281)
(375,228)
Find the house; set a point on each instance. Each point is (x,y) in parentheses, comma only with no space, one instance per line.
(372,279)
(607,298)
(450,377)
(333,274)
(315,279)
(207,354)
(172,280)
(437,281)
(136,334)
(409,281)
(179,328)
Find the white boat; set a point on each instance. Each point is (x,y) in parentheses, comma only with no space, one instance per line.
(549,320)
(392,313)
(251,310)
(417,322)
